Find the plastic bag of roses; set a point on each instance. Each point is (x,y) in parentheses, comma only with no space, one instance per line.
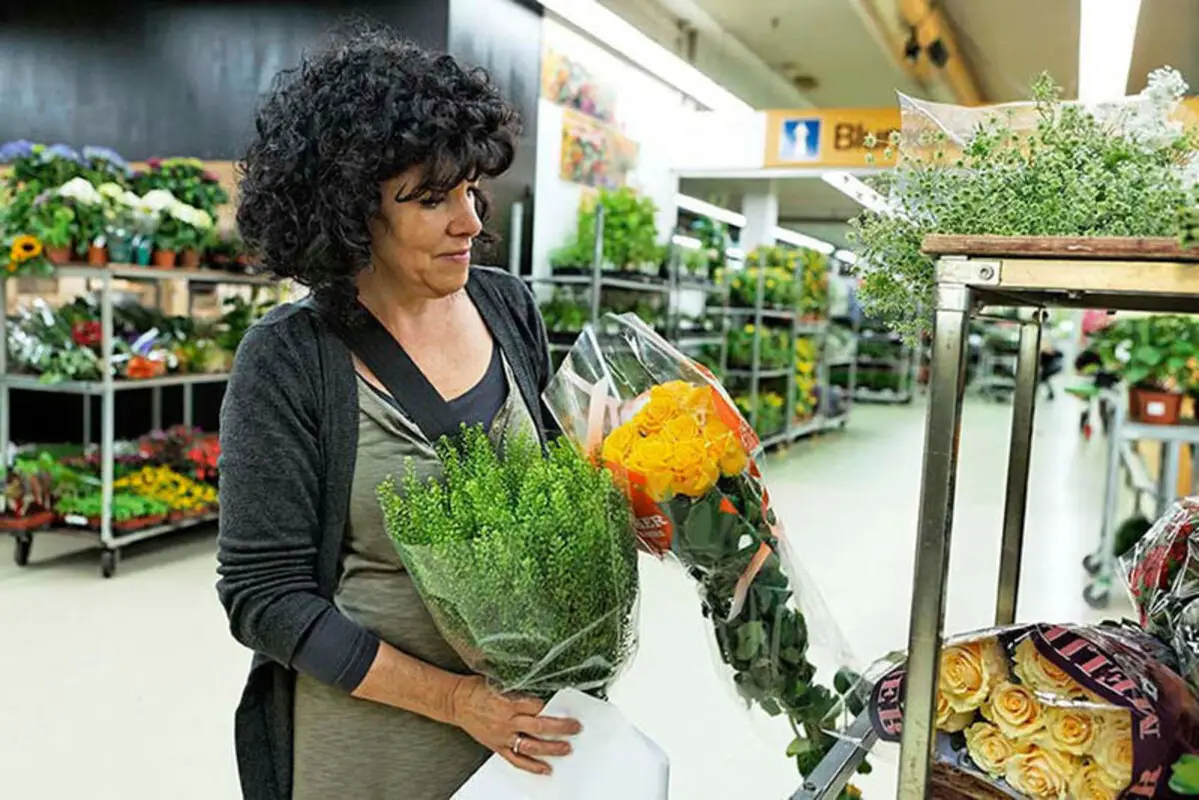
(1087,712)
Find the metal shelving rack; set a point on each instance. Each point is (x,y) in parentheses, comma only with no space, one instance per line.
(600,279)
(107,389)
(903,361)
(973,272)
(792,431)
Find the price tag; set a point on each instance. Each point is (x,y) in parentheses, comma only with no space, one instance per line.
(1155,408)
(75,519)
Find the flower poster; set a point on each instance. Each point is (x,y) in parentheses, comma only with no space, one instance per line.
(594,154)
(567,82)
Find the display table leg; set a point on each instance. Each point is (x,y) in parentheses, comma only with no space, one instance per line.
(1168,485)
(1019,454)
(935,527)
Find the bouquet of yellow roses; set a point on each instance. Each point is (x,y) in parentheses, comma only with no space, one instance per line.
(672,437)
(1087,712)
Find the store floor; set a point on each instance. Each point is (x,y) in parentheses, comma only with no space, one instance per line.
(124,689)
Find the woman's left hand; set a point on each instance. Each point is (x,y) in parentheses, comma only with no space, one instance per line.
(510,726)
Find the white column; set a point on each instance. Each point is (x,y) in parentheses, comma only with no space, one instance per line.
(761,210)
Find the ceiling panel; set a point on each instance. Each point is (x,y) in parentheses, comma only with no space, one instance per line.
(824,39)
(1009,43)
(1167,35)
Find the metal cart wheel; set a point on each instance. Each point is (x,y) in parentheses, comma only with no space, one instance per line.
(22,544)
(1097,594)
(1092,564)
(108,562)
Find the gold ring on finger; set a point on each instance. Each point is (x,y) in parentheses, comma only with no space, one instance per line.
(517,742)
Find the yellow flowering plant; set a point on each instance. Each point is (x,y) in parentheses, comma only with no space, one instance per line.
(179,492)
(676,444)
(1088,712)
(24,254)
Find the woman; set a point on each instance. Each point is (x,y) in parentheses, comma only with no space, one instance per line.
(362,183)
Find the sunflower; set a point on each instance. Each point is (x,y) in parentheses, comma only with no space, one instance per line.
(24,247)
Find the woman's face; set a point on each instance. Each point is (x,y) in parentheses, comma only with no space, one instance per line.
(425,242)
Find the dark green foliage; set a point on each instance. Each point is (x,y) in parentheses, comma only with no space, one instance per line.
(526,562)
(1131,531)
(766,642)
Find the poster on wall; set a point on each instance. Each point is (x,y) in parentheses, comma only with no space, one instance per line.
(595,154)
(566,82)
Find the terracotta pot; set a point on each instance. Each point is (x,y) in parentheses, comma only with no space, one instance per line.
(58,255)
(1155,407)
(189,259)
(97,256)
(165,259)
(138,523)
(29,522)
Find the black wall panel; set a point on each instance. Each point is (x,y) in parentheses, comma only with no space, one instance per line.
(184,78)
(504,37)
(166,78)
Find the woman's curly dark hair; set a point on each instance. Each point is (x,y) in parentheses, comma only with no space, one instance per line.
(366,108)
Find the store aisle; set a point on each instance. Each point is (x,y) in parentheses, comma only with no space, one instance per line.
(125,688)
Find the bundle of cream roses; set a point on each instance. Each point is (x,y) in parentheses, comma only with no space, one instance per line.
(1031,724)
(1070,712)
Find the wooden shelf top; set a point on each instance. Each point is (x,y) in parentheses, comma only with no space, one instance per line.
(1112,273)
(1060,247)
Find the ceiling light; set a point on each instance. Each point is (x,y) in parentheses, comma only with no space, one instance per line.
(627,41)
(706,209)
(803,240)
(848,256)
(1106,32)
(854,188)
(690,242)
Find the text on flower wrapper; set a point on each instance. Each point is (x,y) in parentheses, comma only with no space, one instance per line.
(653,527)
(889,704)
(1107,674)
(1146,785)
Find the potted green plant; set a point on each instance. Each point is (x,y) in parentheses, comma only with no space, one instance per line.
(129,511)
(1154,357)
(91,220)
(630,235)
(195,233)
(28,500)
(52,222)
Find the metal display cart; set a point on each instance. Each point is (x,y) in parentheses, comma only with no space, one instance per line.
(108,389)
(1122,458)
(973,272)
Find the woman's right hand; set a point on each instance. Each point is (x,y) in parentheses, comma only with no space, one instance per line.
(495,721)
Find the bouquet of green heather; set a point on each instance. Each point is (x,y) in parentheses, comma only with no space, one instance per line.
(525,559)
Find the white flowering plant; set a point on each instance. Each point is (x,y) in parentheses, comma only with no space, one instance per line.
(1049,168)
(175,225)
